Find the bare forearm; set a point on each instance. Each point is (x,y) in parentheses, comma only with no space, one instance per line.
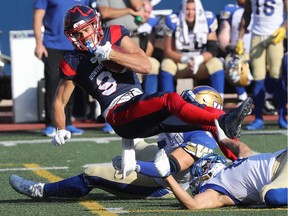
(138,63)
(239,148)
(183,196)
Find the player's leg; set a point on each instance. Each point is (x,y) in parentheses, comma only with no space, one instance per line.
(73,187)
(150,81)
(258,65)
(142,116)
(275,193)
(217,74)
(166,77)
(275,54)
(134,186)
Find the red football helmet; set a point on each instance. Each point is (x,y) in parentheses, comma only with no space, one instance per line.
(79,17)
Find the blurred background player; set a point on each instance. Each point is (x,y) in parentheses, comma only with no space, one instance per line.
(268,31)
(50,48)
(228,34)
(190,48)
(264,181)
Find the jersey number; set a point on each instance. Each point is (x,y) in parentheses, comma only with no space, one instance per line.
(268,7)
(106,83)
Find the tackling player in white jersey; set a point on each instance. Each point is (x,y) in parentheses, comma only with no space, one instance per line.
(258,179)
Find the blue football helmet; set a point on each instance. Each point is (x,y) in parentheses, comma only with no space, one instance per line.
(79,17)
(205,168)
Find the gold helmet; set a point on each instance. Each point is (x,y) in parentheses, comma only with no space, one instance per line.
(204,95)
(237,70)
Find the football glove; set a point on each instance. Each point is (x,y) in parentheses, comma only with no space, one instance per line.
(102,53)
(60,137)
(220,133)
(161,163)
(279,35)
(239,49)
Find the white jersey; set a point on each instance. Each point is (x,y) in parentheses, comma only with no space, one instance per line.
(171,141)
(243,180)
(268,16)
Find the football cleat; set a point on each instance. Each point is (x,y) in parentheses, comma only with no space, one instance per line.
(256,125)
(231,122)
(29,188)
(49,131)
(108,129)
(283,124)
(74,130)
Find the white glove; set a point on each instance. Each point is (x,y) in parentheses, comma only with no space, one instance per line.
(198,60)
(102,53)
(60,137)
(161,163)
(220,133)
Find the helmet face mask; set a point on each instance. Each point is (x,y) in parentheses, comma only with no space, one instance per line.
(81,17)
(238,70)
(205,168)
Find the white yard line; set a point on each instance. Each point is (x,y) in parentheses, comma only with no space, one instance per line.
(99,140)
(25,169)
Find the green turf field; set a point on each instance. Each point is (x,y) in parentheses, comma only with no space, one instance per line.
(30,155)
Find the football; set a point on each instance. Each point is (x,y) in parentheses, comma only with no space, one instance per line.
(113,66)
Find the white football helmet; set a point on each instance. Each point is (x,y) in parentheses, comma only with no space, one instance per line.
(204,95)
(238,70)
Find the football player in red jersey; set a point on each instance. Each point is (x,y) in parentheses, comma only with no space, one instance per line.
(130,112)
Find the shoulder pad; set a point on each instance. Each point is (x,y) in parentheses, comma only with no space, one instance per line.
(211,21)
(171,21)
(227,11)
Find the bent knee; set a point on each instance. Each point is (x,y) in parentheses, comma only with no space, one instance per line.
(168,65)
(214,65)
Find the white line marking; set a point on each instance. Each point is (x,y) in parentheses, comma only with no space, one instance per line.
(98,140)
(40,168)
(104,140)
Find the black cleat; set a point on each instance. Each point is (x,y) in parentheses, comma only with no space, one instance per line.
(231,122)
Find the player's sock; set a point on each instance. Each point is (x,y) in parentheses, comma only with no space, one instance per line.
(150,84)
(72,187)
(166,81)
(276,197)
(217,81)
(148,168)
(258,98)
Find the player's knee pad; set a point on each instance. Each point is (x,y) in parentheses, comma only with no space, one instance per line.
(276,197)
(155,65)
(214,65)
(169,66)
